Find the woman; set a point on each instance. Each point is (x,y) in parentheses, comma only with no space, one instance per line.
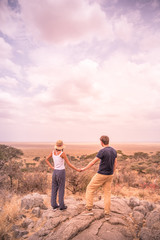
(58,177)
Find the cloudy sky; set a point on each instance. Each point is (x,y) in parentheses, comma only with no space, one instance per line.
(79,69)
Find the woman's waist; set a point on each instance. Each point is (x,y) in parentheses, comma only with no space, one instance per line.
(59,169)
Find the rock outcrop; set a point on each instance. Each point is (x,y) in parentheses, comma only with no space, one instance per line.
(130,219)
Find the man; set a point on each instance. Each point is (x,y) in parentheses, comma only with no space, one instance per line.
(108,161)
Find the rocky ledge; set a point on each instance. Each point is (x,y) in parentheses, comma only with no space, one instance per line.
(131,219)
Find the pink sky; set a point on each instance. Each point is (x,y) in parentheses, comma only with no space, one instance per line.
(76,70)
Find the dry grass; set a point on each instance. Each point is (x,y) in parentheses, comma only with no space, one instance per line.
(8,216)
(143,194)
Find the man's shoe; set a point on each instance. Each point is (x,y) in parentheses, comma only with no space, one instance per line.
(87,213)
(107,217)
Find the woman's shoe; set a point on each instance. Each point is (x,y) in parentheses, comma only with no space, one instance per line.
(55,208)
(63,208)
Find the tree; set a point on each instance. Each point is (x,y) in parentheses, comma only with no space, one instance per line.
(13,170)
(8,164)
(7,153)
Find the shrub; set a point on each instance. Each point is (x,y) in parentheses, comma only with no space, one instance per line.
(36,159)
(140,155)
(90,156)
(33,182)
(77,182)
(138,168)
(151,170)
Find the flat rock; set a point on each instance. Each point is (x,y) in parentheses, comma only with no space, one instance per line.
(73,226)
(118,205)
(91,233)
(107,232)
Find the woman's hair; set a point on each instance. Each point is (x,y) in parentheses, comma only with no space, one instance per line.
(105,140)
(59,150)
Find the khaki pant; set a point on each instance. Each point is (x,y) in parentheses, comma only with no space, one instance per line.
(97,181)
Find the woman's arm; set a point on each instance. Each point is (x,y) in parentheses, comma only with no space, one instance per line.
(47,161)
(68,162)
(90,164)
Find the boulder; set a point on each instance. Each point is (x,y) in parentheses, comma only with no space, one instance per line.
(147,205)
(18,234)
(32,200)
(152,218)
(145,234)
(36,212)
(26,223)
(140,209)
(133,202)
(138,218)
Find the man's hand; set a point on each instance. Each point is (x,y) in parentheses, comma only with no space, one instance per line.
(82,169)
(78,170)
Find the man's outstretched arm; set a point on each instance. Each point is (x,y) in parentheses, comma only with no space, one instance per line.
(90,164)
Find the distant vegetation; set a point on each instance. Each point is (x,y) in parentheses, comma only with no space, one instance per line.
(140,170)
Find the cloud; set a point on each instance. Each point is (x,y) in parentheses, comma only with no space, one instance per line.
(8,82)
(95,92)
(68,21)
(6,62)
(8,106)
(5,49)
(10,21)
(123,29)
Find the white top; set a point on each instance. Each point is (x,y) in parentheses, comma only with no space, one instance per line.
(58,161)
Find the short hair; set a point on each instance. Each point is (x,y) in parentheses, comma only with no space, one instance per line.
(104,139)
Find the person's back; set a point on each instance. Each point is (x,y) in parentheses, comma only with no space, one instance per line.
(107,156)
(58,160)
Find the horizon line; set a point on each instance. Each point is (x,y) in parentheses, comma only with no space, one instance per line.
(82,142)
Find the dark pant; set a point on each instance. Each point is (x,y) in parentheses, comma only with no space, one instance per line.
(58,184)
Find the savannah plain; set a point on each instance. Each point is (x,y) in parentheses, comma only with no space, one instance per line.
(32,150)
(137,174)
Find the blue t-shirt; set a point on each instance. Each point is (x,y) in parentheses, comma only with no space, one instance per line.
(107,156)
